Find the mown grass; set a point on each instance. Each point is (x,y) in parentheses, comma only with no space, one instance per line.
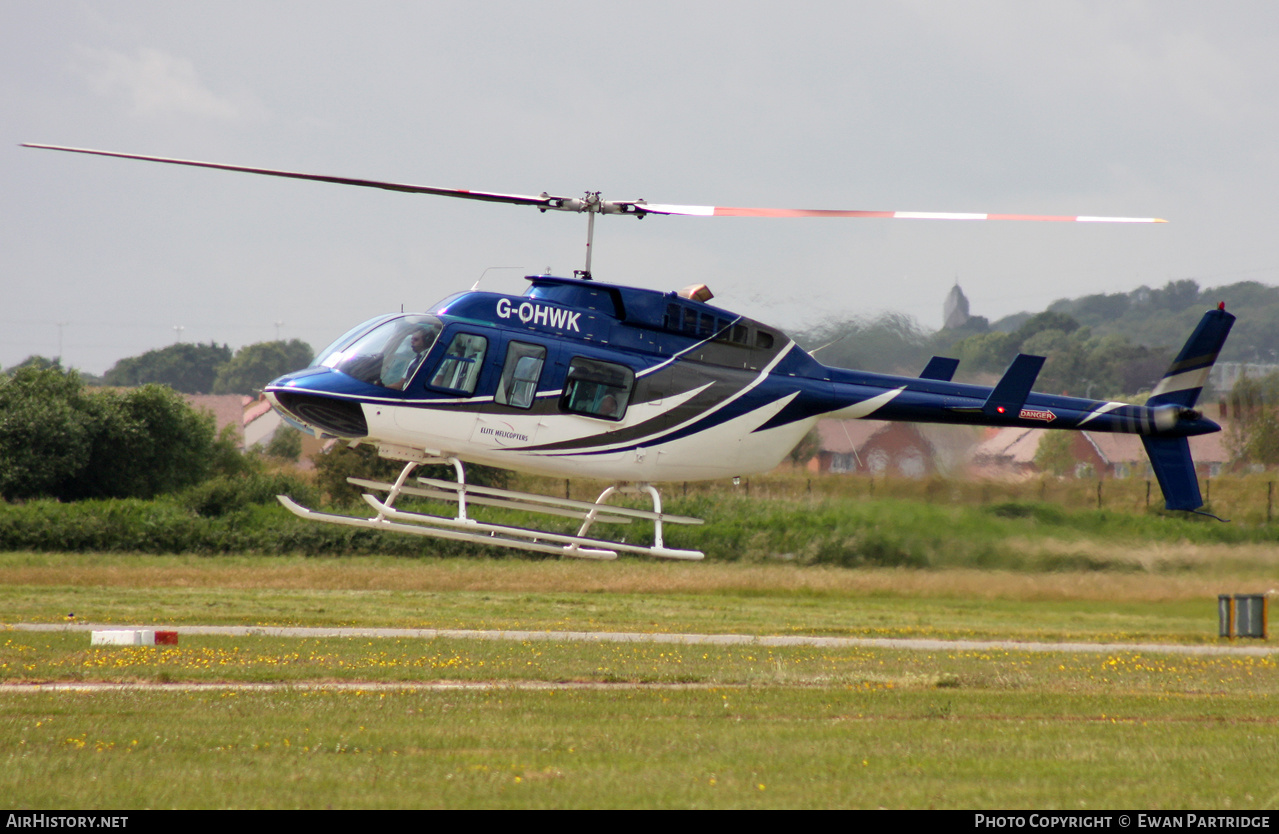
(742,748)
(31,657)
(512,594)
(637,725)
(741,727)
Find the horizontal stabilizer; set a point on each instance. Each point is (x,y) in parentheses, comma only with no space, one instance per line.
(940,368)
(1009,395)
(1170,457)
(1189,371)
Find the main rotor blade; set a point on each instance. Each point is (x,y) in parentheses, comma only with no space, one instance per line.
(543,201)
(591,202)
(731,211)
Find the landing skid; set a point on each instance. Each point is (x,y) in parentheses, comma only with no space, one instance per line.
(461,527)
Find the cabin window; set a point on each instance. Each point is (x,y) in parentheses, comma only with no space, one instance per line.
(523,369)
(690,321)
(673,316)
(459,370)
(597,389)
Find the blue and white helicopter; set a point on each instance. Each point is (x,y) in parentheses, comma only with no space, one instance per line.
(636,386)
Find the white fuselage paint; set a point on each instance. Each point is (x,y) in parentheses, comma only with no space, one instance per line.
(730,448)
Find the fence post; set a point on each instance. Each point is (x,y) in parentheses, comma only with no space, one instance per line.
(1270,499)
(1099,493)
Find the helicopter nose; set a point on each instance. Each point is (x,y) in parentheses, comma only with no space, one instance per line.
(309,399)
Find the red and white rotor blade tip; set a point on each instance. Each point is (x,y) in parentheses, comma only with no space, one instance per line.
(735,211)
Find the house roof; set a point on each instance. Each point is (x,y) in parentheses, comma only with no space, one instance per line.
(1117,448)
(841,437)
(226,408)
(1018,446)
(253,409)
(1013,445)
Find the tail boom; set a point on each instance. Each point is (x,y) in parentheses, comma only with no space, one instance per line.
(1165,422)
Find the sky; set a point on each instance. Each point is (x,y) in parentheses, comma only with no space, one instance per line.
(1161,108)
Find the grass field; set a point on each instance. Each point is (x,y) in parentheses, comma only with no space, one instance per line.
(520,724)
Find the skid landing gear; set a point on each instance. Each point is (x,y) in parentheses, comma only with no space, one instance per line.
(460,527)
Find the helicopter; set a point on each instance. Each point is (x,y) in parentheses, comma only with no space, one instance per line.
(635,387)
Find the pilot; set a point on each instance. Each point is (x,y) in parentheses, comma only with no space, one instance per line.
(402,368)
(609,407)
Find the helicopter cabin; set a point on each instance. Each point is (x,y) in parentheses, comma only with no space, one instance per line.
(596,346)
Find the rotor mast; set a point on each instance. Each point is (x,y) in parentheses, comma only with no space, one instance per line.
(590,204)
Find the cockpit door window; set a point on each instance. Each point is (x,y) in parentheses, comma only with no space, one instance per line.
(459,370)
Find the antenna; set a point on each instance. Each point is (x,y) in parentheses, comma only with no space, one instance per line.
(486,270)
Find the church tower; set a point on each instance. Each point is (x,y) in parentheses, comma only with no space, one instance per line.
(955,309)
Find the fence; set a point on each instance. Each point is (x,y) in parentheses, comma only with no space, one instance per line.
(1240,498)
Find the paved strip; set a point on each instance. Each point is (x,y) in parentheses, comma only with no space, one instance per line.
(678,639)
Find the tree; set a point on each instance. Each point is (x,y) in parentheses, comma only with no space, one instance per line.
(1054,454)
(147,441)
(890,343)
(59,441)
(39,363)
(185,367)
(253,366)
(808,447)
(45,432)
(990,352)
(285,444)
(1066,369)
(1175,295)
(1253,437)
(1040,322)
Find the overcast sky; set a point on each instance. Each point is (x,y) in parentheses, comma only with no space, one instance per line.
(1167,109)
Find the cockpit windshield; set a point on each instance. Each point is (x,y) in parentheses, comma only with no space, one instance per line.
(387,355)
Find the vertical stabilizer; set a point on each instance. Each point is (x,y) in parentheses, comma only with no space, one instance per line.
(1186,376)
(1181,386)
